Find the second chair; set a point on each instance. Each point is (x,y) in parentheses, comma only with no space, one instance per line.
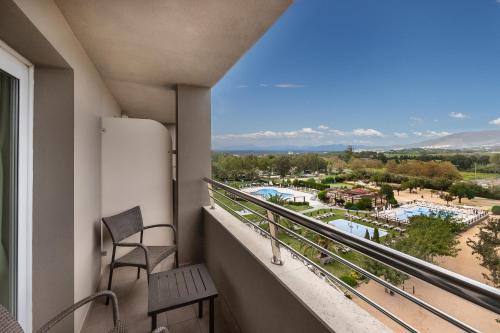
(145,257)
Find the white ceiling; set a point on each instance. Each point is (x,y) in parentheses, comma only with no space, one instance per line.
(143,48)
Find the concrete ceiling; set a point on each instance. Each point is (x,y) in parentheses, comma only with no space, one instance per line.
(143,48)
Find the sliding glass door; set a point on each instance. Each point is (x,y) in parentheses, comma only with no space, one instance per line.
(15,185)
(9,110)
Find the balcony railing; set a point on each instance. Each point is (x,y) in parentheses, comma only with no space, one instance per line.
(483,295)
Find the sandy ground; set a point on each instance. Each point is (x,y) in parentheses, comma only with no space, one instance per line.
(428,196)
(466,264)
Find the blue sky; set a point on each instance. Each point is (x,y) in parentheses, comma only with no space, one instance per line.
(370,72)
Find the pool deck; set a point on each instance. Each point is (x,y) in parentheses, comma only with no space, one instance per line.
(310,197)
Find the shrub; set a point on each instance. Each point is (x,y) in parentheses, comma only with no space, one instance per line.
(350,205)
(495,210)
(311,184)
(322,195)
(364,204)
(351,281)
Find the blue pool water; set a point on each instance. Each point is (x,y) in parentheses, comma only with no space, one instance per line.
(417,211)
(355,228)
(266,192)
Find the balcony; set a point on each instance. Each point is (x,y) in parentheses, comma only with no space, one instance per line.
(267,285)
(156,61)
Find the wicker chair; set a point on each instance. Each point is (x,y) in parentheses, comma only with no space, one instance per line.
(9,325)
(129,223)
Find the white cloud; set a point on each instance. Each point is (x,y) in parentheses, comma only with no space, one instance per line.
(305,136)
(457,115)
(430,134)
(495,121)
(242,86)
(264,85)
(416,119)
(400,134)
(366,132)
(338,132)
(289,85)
(270,134)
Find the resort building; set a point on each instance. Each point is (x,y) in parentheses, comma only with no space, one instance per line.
(350,194)
(106,106)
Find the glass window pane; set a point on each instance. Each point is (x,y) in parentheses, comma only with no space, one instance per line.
(8,185)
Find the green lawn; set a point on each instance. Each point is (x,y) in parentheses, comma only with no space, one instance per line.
(296,208)
(467,175)
(339,214)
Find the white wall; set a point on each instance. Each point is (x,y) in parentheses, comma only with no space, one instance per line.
(91,101)
(137,171)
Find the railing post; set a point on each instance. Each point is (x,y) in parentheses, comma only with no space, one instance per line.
(211,195)
(275,246)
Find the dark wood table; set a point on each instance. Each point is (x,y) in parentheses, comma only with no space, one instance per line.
(180,287)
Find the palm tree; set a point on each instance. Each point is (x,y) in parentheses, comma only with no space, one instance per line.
(277,198)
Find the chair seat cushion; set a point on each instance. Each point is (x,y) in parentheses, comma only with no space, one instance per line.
(119,328)
(136,256)
(8,323)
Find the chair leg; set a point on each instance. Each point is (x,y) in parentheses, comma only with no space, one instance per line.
(109,281)
(138,273)
(176,259)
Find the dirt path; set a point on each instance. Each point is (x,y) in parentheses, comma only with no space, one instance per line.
(466,264)
(482,203)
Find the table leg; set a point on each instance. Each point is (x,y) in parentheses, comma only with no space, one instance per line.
(211,330)
(200,309)
(153,322)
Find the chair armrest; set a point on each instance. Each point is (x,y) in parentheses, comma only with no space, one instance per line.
(139,245)
(163,225)
(74,307)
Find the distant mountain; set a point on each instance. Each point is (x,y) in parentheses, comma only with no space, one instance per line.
(464,140)
(284,149)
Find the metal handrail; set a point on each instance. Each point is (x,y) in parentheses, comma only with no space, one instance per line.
(330,276)
(464,287)
(358,269)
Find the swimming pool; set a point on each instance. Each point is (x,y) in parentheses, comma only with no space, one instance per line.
(267,192)
(355,228)
(406,213)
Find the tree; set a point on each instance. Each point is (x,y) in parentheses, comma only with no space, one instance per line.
(276,199)
(389,274)
(410,185)
(282,165)
(447,197)
(376,235)
(462,190)
(387,192)
(487,247)
(347,154)
(495,160)
(335,164)
(367,234)
(428,237)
